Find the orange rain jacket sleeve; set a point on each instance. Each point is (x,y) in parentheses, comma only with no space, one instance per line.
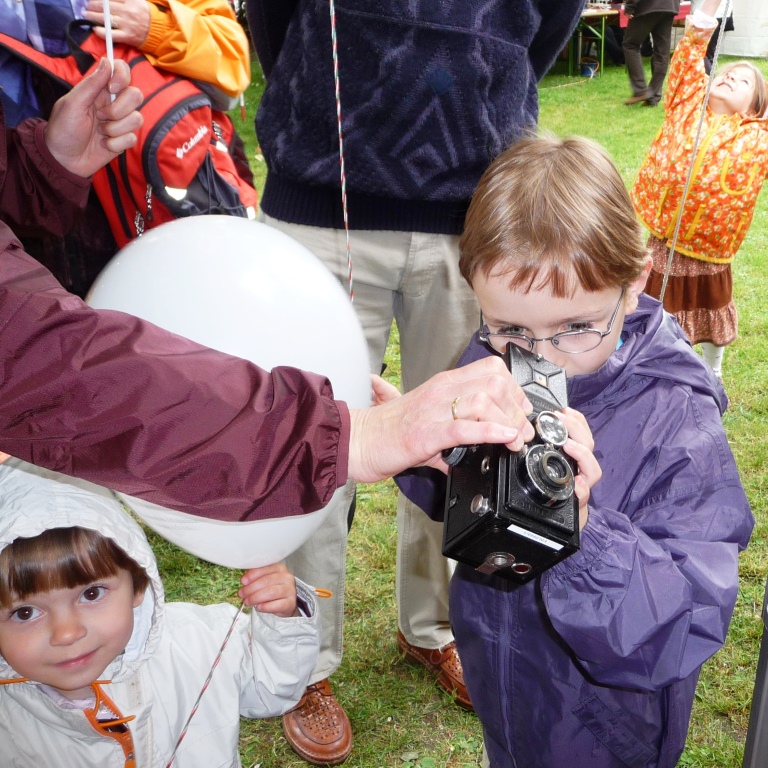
(201,40)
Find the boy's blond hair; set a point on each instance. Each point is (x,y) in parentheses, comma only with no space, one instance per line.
(760,96)
(549,210)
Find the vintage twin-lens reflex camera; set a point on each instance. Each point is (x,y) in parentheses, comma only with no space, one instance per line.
(515,514)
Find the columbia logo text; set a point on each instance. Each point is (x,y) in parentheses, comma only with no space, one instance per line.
(187,145)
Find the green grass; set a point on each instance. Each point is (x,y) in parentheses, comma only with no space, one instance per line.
(399,717)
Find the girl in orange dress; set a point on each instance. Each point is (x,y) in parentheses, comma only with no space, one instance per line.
(729,168)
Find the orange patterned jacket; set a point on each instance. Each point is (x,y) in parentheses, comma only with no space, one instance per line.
(729,168)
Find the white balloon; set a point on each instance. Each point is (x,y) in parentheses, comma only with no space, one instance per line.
(247,289)
(237,545)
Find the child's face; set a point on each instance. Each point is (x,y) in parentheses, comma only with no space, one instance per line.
(66,638)
(539,314)
(733,92)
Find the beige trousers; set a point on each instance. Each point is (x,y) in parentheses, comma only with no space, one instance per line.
(413,279)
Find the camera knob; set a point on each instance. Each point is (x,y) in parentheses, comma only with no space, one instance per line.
(452,456)
(480,505)
(550,428)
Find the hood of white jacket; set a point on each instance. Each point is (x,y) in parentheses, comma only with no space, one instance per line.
(34,500)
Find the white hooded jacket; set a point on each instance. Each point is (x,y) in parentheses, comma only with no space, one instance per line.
(262,673)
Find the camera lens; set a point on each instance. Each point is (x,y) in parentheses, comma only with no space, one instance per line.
(547,475)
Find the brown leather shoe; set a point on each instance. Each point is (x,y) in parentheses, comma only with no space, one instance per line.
(318,729)
(444,663)
(636,99)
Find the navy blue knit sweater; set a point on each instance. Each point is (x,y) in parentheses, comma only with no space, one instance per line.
(431,92)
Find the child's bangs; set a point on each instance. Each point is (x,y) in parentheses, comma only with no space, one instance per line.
(60,558)
(561,274)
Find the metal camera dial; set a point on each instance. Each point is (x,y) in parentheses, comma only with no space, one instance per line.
(550,428)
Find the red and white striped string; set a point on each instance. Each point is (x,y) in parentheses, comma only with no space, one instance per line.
(205,686)
(343,175)
(335,50)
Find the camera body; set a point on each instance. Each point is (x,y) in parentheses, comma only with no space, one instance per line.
(515,514)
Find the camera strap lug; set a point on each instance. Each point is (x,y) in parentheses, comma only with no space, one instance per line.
(494,561)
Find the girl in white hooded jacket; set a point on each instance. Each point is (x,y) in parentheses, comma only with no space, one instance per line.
(95,670)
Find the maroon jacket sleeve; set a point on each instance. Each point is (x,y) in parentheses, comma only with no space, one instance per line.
(37,191)
(112,399)
(109,398)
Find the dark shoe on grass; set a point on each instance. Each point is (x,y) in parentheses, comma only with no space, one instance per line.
(636,99)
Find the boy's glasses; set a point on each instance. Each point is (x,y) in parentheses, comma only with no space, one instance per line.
(572,342)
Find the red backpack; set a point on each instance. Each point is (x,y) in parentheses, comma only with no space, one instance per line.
(183,163)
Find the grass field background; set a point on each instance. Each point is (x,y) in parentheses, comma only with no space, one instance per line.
(400,719)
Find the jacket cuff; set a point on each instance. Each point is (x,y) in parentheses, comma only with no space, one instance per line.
(161,26)
(72,185)
(306,599)
(342,451)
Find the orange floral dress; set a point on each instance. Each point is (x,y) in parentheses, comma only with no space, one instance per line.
(729,168)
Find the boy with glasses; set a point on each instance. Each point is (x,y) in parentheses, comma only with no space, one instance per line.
(594,663)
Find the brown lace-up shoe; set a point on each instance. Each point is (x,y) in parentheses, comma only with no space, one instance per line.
(318,729)
(444,663)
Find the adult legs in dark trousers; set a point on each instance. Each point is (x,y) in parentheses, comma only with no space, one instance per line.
(659,26)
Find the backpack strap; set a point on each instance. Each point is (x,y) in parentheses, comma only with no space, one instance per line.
(86,49)
(79,34)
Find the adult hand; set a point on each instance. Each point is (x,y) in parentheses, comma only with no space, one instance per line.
(383,391)
(86,130)
(271,589)
(130,20)
(412,429)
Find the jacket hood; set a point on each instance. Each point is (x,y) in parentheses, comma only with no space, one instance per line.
(653,346)
(34,500)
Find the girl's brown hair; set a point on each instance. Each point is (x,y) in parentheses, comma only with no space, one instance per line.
(62,558)
(548,210)
(760,96)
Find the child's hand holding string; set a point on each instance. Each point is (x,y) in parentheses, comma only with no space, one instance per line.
(579,447)
(270,589)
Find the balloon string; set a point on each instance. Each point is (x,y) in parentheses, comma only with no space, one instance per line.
(205,685)
(320,592)
(689,177)
(342,172)
(215,664)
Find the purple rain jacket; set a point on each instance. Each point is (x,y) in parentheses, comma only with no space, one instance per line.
(594,664)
